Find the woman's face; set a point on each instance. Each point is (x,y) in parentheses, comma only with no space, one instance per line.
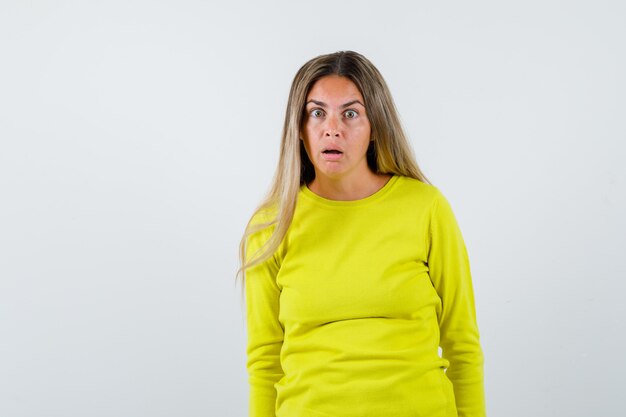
(335,118)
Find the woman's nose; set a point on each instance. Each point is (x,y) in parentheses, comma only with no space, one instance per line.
(332,127)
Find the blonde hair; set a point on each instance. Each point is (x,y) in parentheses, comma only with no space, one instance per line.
(388,152)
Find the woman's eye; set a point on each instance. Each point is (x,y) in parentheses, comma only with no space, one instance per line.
(350,114)
(317,113)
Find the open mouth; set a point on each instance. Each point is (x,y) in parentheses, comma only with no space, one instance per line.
(332,155)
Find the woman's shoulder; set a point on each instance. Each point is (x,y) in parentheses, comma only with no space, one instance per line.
(429,198)
(416,188)
(264,213)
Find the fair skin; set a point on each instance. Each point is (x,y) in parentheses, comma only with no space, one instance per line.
(336,117)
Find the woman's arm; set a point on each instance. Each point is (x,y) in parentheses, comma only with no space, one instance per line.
(264,331)
(449,270)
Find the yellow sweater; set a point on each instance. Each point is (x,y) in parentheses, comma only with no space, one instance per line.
(346,319)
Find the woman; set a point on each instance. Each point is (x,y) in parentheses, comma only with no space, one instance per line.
(356,270)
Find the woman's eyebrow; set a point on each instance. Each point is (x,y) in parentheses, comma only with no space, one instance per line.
(322,104)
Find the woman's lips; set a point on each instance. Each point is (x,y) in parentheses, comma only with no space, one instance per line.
(332,156)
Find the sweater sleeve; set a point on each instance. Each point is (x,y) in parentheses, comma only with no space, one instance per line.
(264,331)
(449,270)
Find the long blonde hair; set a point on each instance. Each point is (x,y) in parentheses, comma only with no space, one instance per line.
(388,152)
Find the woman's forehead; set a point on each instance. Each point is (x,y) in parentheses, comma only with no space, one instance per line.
(333,88)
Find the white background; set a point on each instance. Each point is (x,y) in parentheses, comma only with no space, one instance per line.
(136,137)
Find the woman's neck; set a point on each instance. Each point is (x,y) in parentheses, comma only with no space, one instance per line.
(347,189)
